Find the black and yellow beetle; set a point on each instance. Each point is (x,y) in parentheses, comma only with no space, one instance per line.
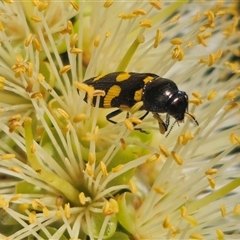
(125,89)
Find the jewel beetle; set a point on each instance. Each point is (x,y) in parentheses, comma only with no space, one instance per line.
(158,95)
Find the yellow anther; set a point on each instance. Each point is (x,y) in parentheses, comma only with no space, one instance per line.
(195,101)
(117,168)
(183,211)
(107,34)
(154,157)
(210,16)
(166,222)
(159,190)
(67,210)
(231,95)
(123,143)
(75,50)
(75,5)
(211,171)
(196,17)
(177,53)
(201,40)
(220,234)
(64,69)
(158,38)
(42,6)
(110,207)
(28,40)
(89,170)
(37,95)
(177,158)
(231,106)
(175,19)
(103,168)
(164,151)
(97,41)
(146,23)
(156,4)
(236,209)
(196,94)
(196,236)
(108,3)
(211,95)
(133,186)
(32,217)
(7,156)
(82,198)
(176,41)
(74,40)
(37,45)
(79,118)
(191,220)
(211,182)
(139,12)
(63,113)
(223,210)
(36,19)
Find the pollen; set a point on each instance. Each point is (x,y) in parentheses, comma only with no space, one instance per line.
(159,190)
(68,29)
(223,210)
(133,186)
(64,69)
(177,158)
(156,4)
(108,3)
(164,151)
(211,171)
(210,16)
(117,168)
(211,95)
(74,5)
(146,23)
(89,170)
(176,41)
(158,38)
(103,168)
(82,198)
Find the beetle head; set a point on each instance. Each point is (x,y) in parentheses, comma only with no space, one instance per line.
(177,105)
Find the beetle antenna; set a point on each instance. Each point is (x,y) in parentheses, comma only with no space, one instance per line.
(171,128)
(192,117)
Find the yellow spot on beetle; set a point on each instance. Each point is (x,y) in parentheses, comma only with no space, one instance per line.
(138,95)
(123,77)
(148,79)
(98,77)
(113,92)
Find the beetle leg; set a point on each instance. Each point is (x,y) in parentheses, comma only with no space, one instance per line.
(113,114)
(167,121)
(162,125)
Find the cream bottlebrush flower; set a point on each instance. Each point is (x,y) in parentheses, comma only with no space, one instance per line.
(68,174)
